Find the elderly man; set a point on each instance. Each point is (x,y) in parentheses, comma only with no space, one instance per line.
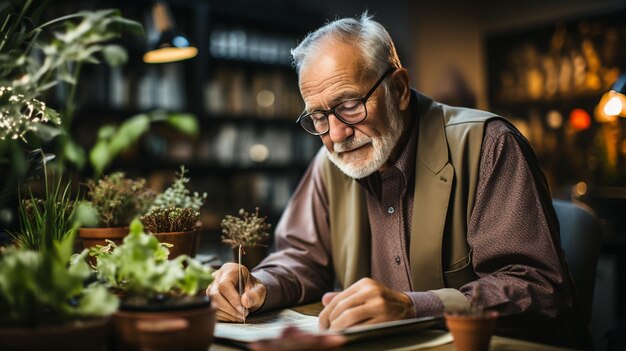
(412,206)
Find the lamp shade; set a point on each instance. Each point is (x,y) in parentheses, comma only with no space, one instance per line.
(171,44)
(620,85)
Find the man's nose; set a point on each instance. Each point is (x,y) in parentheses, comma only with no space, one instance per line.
(339,131)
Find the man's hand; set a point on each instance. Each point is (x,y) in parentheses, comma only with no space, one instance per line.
(364,302)
(225,295)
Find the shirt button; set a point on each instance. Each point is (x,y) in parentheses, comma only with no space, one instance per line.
(398,260)
(391,210)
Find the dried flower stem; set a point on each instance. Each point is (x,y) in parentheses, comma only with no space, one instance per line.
(239,274)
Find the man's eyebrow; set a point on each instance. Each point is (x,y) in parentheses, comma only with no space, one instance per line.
(345,96)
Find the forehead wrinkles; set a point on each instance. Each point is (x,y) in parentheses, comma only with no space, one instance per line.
(319,92)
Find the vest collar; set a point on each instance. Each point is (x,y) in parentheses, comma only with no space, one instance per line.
(433,156)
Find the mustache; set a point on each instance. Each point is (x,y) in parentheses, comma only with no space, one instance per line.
(351,144)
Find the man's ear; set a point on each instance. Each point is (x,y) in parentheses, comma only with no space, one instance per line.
(400,78)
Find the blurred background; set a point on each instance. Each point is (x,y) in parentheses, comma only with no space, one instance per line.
(544,65)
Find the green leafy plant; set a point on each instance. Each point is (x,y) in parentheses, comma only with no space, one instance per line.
(113,140)
(35,57)
(140,267)
(170,219)
(117,199)
(77,39)
(38,287)
(34,213)
(178,195)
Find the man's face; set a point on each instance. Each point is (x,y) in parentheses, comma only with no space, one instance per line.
(335,75)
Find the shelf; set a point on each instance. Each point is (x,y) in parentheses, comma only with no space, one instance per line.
(212,167)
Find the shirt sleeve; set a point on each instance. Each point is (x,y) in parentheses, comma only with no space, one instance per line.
(301,269)
(512,233)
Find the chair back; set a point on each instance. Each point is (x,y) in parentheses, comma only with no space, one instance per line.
(581,238)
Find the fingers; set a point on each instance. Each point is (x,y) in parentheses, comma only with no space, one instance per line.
(328,297)
(225,295)
(366,301)
(254,295)
(349,311)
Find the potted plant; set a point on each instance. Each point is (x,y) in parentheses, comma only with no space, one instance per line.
(173,211)
(35,213)
(471,327)
(35,58)
(175,226)
(115,200)
(157,293)
(43,300)
(246,234)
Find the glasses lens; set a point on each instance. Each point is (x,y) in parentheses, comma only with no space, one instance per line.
(351,111)
(315,123)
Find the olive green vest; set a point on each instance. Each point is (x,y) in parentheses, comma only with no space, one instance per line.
(446,174)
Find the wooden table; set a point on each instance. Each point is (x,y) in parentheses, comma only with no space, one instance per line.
(498,343)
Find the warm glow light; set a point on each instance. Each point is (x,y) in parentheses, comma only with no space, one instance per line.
(614,106)
(554,119)
(265,98)
(169,54)
(580,189)
(259,152)
(579,119)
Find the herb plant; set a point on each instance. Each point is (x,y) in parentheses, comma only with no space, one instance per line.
(56,210)
(247,230)
(170,219)
(178,195)
(38,287)
(118,200)
(139,267)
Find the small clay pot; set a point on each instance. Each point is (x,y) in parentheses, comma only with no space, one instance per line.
(252,256)
(73,336)
(96,236)
(138,330)
(471,332)
(184,242)
(162,334)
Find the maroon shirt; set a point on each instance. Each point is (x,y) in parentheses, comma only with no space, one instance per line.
(515,247)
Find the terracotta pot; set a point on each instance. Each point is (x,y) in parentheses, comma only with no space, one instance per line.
(471,332)
(96,236)
(198,241)
(252,256)
(184,242)
(132,328)
(74,336)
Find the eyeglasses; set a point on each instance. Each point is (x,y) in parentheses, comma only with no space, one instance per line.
(349,112)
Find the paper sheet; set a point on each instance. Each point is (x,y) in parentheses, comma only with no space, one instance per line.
(270,326)
(266,326)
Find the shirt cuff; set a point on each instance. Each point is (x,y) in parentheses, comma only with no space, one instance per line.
(272,290)
(426,303)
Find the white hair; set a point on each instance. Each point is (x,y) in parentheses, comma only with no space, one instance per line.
(370,37)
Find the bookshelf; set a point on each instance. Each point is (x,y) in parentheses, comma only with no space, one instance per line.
(242,89)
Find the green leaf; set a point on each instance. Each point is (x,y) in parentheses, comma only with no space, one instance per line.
(115,55)
(186,123)
(46,132)
(106,131)
(100,156)
(128,133)
(131,26)
(74,153)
